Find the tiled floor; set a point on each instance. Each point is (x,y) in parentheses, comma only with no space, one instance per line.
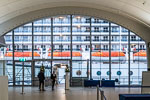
(75,93)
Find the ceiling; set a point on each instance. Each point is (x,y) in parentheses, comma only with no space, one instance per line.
(137,10)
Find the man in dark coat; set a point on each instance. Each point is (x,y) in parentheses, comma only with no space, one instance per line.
(53,77)
(41,80)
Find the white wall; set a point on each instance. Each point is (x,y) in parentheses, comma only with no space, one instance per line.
(3,88)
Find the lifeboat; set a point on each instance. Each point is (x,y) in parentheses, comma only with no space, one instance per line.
(104,56)
(140,56)
(21,54)
(65,54)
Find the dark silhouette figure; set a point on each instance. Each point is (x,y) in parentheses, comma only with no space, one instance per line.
(53,77)
(41,80)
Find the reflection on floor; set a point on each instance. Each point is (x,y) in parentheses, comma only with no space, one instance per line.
(75,93)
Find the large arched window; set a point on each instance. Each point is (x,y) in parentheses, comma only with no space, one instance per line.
(98,49)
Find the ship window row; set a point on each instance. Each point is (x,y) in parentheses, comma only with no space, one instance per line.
(67,29)
(67,20)
(62,38)
(79,47)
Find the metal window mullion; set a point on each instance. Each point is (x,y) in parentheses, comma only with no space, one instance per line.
(71,50)
(14,80)
(109,51)
(51,43)
(138,58)
(129,57)
(33,68)
(90,50)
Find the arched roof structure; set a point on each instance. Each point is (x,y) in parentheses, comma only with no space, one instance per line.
(132,14)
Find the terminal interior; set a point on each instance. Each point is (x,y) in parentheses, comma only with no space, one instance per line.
(94,55)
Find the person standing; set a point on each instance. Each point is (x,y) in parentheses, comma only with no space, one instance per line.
(53,77)
(41,77)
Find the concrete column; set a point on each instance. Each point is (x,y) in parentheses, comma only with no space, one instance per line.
(1,67)
(4,62)
(148,55)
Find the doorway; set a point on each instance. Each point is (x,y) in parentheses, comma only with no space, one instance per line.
(59,67)
(48,65)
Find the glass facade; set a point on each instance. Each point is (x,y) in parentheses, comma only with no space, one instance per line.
(93,48)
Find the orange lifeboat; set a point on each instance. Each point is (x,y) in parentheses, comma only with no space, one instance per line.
(8,54)
(140,56)
(65,54)
(104,56)
(22,54)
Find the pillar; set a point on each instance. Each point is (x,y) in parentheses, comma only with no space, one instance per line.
(4,62)
(67,81)
(1,67)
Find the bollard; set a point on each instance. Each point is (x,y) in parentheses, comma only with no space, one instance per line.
(23,79)
(100,82)
(102,95)
(97,92)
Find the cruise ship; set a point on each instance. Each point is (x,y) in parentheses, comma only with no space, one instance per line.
(88,39)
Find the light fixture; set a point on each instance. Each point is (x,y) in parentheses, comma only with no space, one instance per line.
(78,26)
(78,17)
(61,17)
(60,34)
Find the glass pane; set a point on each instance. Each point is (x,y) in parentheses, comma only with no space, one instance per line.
(9,71)
(61,37)
(100,49)
(42,38)
(23,42)
(138,59)
(19,73)
(79,68)
(60,70)
(119,55)
(47,66)
(7,51)
(81,37)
